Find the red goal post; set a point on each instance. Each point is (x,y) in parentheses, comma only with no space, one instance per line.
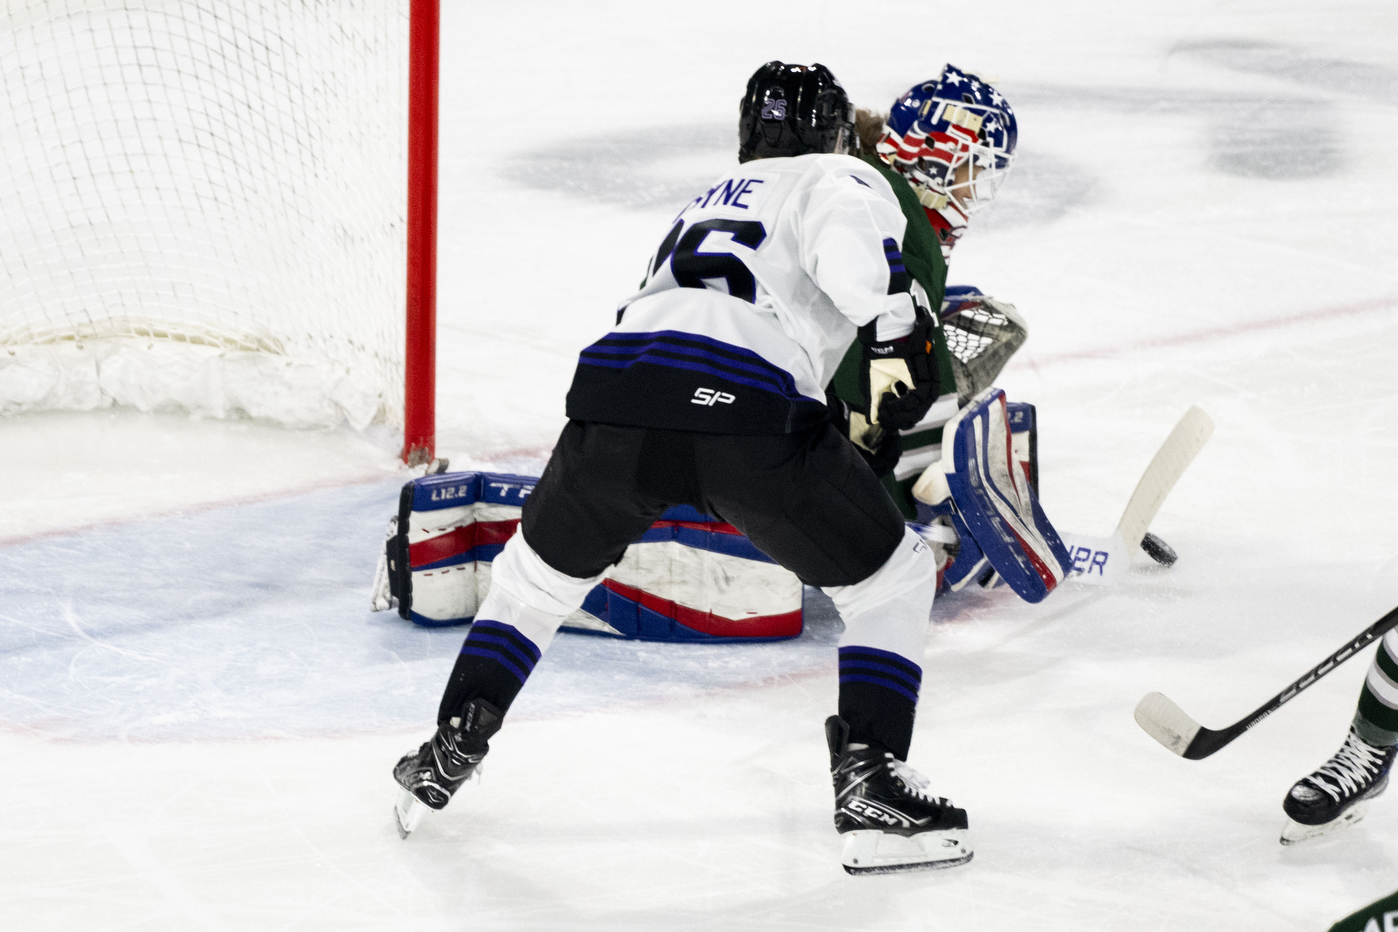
(223,207)
(420,351)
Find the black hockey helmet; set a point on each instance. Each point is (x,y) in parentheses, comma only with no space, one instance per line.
(792,110)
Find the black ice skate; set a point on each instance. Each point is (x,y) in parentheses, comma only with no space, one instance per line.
(431,774)
(1338,793)
(882,807)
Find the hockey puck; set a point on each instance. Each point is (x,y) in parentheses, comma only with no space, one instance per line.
(1158,550)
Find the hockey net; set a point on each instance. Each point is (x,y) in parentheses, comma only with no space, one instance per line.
(204,203)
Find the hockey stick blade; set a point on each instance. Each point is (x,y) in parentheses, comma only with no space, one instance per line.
(1165,469)
(1168,724)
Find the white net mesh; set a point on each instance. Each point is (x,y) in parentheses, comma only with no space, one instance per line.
(202,207)
(982,334)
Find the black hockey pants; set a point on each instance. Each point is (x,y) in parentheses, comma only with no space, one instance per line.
(807,500)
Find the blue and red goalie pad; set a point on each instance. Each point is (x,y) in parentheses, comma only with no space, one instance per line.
(689,577)
(995,499)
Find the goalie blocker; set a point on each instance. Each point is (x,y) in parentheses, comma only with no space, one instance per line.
(983,486)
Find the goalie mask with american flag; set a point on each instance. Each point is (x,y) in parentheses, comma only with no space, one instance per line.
(936,128)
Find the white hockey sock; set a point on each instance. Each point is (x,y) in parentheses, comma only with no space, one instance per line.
(531,596)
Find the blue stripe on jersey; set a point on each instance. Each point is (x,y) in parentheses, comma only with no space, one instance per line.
(504,644)
(693,366)
(897,272)
(881,668)
(676,349)
(893,254)
(624,348)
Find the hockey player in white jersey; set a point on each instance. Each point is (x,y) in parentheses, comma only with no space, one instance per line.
(709,392)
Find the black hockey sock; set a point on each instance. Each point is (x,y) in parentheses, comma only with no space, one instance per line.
(1376,721)
(494,662)
(878,697)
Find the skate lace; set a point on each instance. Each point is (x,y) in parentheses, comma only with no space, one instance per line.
(915,783)
(1351,767)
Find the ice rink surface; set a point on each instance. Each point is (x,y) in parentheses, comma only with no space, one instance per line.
(198,712)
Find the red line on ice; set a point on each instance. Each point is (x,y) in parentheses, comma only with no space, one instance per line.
(1389,302)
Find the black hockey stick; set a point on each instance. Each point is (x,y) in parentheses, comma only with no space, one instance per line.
(1167,723)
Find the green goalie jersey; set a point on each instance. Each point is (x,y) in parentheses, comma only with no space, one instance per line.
(922,256)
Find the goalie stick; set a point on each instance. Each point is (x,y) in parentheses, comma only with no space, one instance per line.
(1167,723)
(1165,469)
(1101,559)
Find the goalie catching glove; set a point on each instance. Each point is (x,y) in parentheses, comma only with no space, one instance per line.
(899,377)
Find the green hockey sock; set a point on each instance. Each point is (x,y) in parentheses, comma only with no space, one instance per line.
(1376,721)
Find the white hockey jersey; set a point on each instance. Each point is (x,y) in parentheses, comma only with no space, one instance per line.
(752,300)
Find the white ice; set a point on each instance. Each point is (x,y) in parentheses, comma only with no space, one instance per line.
(199,712)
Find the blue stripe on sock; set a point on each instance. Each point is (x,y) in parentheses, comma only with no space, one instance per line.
(491,653)
(504,645)
(888,656)
(888,684)
(894,672)
(510,631)
(876,668)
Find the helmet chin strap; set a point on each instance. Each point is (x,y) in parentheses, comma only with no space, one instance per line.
(949,223)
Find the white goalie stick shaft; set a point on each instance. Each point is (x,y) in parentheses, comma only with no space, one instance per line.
(1103,560)
(1170,462)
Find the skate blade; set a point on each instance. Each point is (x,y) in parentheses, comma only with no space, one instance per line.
(1294,833)
(870,851)
(408,812)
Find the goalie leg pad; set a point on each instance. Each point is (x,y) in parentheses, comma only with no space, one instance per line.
(449,527)
(993,498)
(970,562)
(688,577)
